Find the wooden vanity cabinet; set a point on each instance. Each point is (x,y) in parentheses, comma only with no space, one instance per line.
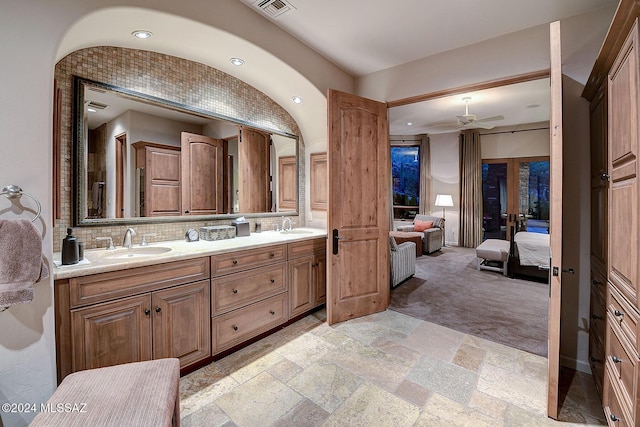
(307,275)
(133,315)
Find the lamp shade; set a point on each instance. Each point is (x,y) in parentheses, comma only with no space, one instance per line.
(443,200)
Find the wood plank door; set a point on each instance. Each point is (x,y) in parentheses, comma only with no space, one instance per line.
(358,216)
(555,221)
(202,174)
(254,177)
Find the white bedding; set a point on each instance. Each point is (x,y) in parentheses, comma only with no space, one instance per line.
(533,248)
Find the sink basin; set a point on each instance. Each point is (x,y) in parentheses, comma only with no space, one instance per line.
(296,231)
(137,252)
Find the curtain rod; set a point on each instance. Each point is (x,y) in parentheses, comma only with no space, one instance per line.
(513,131)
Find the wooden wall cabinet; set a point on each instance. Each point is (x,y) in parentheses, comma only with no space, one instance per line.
(307,275)
(162,189)
(133,315)
(615,227)
(319,181)
(287,183)
(254,179)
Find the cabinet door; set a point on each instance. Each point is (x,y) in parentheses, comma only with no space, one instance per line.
(181,323)
(301,284)
(321,279)
(111,333)
(162,182)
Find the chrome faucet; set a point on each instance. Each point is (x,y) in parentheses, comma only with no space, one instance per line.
(286,219)
(128,234)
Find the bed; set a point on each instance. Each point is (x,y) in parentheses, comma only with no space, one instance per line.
(529,255)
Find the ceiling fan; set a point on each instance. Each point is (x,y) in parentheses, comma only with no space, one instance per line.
(470,121)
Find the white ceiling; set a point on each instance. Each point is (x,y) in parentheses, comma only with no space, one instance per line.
(365,36)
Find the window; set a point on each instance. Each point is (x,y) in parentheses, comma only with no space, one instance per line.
(405,170)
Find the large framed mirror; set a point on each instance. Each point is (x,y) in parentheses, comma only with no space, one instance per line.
(138,158)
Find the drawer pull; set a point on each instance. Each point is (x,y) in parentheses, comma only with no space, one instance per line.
(614,418)
(618,313)
(273,280)
(234,262)
(596,282)
(596,317)
(271,254)
(158,309)
(616,359)
(272,312)
(594,360)
(147,312)
(235,327)
(235,291)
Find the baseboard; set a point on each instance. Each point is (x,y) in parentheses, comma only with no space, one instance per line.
(574,364)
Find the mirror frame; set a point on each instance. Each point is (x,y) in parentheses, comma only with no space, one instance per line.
(78,152)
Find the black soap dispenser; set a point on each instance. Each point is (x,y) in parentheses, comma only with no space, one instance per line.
(70,249)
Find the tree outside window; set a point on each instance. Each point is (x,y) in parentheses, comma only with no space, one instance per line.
(405,170)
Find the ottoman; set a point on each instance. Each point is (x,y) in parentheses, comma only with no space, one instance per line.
(132,394)
(409,236)
(493,255)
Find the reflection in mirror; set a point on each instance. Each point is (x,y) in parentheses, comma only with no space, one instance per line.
(140,158)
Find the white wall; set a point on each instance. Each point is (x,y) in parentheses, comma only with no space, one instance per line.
(502,143)
(445,179)
(27,337)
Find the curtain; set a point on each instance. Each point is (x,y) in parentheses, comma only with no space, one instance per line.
(471,189)
(425,176)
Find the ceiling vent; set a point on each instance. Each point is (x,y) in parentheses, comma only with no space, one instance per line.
(274,8)
(97,105)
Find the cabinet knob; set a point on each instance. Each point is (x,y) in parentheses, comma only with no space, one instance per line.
(235,327)
(614,418)
(235,291)
(618,313)
(158,309)
(616,359)
(596,317)
(147,312)
(594,360)
(273,280)
(604,176)
(235,262)
(272,312)
(271,254)
(596,282)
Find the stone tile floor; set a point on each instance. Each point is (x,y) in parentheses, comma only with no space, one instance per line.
(386,369)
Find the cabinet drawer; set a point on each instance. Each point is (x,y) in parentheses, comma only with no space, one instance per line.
(614,412)
(123,283)
(239,289)
(243,260)
(596,362)
(598,284)
(623,315)
(621,363)
(233,328)
(306,247)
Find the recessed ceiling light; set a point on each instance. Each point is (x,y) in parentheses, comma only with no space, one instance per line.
(142,34)
(236,61)
(409,124)
(297,100)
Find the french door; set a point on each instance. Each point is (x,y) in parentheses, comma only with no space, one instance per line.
(515,189)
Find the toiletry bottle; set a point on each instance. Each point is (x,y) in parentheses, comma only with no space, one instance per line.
(69,249)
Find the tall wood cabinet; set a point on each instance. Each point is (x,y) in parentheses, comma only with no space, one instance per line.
(615,227)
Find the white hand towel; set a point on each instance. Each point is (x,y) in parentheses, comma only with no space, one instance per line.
(21,261)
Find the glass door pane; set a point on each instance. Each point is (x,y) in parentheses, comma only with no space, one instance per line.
(534,195)
(494,200)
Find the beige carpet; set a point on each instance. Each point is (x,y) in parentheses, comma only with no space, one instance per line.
(449,291)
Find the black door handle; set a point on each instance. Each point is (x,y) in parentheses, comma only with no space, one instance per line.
(335,241)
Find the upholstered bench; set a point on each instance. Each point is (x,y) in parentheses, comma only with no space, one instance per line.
(493,251)
(133,394)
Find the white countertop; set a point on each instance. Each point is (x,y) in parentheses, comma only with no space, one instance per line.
(102,260)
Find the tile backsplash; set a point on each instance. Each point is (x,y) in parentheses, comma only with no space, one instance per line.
(174,79)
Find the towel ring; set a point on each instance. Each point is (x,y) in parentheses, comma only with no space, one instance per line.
(13,191)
